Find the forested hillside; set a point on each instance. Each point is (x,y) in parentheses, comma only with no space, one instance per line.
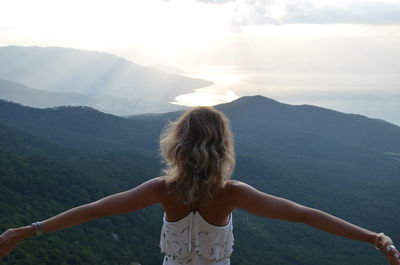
(55,159)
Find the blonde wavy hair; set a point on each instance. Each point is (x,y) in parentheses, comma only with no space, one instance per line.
(199,154)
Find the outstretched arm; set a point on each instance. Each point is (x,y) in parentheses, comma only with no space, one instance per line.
(137,198)
(250,199)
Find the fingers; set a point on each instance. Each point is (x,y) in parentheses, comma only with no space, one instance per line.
(394,252)
(7,243)
(3,253)
(397,255)
(394,257)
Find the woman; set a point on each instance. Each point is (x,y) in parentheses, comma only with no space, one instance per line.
(198,199)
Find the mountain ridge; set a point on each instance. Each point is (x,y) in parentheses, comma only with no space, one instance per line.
(108,79)
(265,118)
(259,99)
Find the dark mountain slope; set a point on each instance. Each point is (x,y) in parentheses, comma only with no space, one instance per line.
(81,127)
(272,116)
(24,144)
(303,134)
(285,150)
(35,188)
(300,132)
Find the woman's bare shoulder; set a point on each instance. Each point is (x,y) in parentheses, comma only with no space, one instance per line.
(235,189)
(160,183)
(157,182)
(237,186)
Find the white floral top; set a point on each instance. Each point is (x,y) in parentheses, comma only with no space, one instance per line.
(194,241)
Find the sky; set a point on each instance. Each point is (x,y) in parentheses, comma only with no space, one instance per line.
(340,54)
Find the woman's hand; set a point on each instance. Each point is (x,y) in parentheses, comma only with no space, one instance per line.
(385,245)
(8,241)
(393,257)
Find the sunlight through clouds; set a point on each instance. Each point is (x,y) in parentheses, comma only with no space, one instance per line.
(174,26)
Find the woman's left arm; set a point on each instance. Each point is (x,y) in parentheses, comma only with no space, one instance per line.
(137,198)
(334,225)
(250,199)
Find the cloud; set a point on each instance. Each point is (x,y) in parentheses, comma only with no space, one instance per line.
(214,1)
(353,13)
(251,12)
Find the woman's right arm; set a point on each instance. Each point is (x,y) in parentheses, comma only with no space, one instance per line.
(250,199)
(137,198)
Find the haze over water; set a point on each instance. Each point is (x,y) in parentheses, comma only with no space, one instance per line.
(376,95)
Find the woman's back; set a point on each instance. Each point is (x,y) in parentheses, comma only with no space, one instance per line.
(201,234)
(216,211)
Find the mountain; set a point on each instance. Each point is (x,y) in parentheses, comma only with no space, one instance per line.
(37,98)
(168,69)
(81,127)
(35,187)
(24,144)
(310,130)
(107,79)
(54,159)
